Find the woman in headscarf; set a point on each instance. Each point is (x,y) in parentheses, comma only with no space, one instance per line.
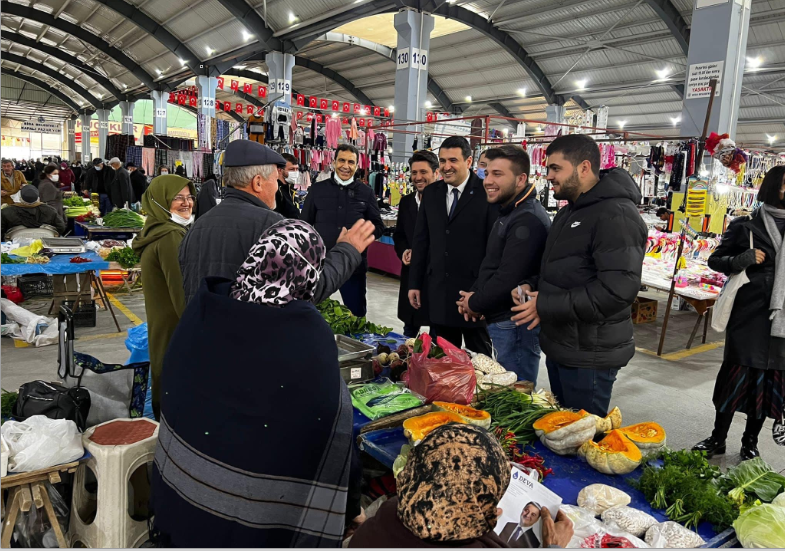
(752,377)
(49,190)
(255,441)
(66,177)
(168,203)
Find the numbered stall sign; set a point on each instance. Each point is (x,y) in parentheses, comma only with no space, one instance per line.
(127,119)
(208,103)
(402,61)
(419,59)
(160,113)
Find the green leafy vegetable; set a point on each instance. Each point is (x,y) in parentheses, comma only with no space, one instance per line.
(434,353)
(74,201)
(7,402)
(123,218)
(754,477)
(343,322)
(8,259)
(513,411)
(762,527)
(125,257)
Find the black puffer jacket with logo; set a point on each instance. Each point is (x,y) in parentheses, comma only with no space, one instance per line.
(590,276)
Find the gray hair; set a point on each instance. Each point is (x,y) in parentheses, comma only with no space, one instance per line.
(242,176)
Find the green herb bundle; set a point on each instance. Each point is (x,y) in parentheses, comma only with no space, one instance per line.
(74,201)
(686,487)
(7,402)
(125,257)
(8,259)
(343,322)
(513,411)
(123,218)
(751,481)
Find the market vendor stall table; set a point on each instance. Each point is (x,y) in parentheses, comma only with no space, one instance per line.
(382,257)
(95,232)
(570,476)
(61,264)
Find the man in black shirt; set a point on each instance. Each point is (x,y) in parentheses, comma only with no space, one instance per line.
(337,203)
(284,201)
(95,182)
(138,180)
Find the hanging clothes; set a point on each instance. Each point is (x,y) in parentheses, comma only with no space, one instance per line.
(332,131)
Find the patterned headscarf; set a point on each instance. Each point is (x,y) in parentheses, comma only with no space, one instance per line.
(284,265)
(452,483)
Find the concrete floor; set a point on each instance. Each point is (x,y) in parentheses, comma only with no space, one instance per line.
(674,390)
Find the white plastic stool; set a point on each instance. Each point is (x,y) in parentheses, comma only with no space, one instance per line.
(118,448)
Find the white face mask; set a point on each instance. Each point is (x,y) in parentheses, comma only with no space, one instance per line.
(293,177)
(164,173)
(176,218)
(98,169)
(341,182)
(54,177)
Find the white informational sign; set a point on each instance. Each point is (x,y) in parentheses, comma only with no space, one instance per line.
(208,103)
(698,78)
(707,3)
(402,61)
(103,125)
(419,59)
(41,127)
(283,86)
(128,119)
(357,372)
(160,113)
(272,85)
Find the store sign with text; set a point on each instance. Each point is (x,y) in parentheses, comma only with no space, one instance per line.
(42,127)
(698,78)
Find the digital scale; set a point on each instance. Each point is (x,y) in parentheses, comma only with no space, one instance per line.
(63,245)
(354,359)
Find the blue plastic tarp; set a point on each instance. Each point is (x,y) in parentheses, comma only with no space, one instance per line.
(58,265)
(136,343)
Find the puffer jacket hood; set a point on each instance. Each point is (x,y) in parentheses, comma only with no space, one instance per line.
(616,184)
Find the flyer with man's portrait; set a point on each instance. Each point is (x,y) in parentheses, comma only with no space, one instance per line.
(520,524)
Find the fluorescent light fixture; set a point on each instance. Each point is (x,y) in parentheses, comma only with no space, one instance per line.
(100,96)
(292,17)
(125,86)
(754,62)
(158,71)
(676,120)
(246,35)
(771,139)
(581,84)
(182,61)
(522,91)
(622,123)
(468,98)
(209,50)
(428,104)
(391,108)
(663,73)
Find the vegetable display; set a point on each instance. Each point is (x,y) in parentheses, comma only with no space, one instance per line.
(762,527)
(469,414)
(74,201)
(79,260)
(751,480)
(417,428)
(7,402)
(123,218)
(343,322)
(614,454)
(514,411)
(37,259)
(8,259)
(125,257)
(649,437)
(609,422)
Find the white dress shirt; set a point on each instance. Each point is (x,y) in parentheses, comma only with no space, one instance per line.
(460,189)
(417,198)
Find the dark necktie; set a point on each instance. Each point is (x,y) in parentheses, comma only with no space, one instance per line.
(454,203)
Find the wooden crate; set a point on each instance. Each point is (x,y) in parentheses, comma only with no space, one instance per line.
(644,310)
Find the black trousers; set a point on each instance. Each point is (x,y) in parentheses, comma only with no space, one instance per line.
(353,293)
(476,339)
(581,388)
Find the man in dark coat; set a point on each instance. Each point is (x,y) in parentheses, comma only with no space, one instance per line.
(337,203)
(219,241)
(138,180)
(514,253)
(450,239)
(120,191)
(284,202)
(96,182)
(424,170)
(590,276)
(30,213)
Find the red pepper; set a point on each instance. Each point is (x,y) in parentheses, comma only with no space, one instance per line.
(79,260)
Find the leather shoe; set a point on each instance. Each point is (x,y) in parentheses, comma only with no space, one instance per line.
(711,446)
(749,450)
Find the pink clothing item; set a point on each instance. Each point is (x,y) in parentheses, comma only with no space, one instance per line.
(353,131)
(332,131)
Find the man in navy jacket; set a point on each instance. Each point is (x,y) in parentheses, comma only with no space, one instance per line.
(337,203)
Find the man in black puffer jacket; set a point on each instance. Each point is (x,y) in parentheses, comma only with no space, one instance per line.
(590,276)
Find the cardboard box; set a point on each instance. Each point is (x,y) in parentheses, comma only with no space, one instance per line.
(644,310)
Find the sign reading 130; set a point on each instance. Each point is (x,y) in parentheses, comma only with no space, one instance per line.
(402,61)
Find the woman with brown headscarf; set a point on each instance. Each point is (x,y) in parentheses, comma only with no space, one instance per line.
(448,494)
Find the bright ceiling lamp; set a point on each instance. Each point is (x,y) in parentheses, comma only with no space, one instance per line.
(622,123)
(428,104)
(292,17)
(158,71)
(210,51)
(676,120)
(468,99)
(522,92)
(771,139)
(754,63)
(663,74)
(246,35)
(505,131)
(391,108)
(581,84)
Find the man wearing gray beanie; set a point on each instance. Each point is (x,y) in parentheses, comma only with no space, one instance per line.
(30,213)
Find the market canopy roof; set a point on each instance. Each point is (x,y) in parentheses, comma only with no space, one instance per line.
(510,57)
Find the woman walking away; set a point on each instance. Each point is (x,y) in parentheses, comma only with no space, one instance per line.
(66,177)
(249,470)
(49,190)
(168,203)
(751,377)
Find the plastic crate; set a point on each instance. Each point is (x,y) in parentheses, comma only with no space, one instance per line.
(36,285)
(85,316)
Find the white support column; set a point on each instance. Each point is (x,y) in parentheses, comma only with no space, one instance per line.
(206,108)
(70,132)
(411,77)
(87,158)
(279,75)
(127,110)
(159,111)
(103,130)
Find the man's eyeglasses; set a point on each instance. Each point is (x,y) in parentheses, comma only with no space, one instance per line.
(185,198)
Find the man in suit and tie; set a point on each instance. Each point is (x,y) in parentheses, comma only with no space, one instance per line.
(453,225)
(521,534)
(424,170)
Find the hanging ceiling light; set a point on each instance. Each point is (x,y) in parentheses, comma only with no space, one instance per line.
(391,108)
(676,120)
(209,50)
(771,139)
(754,63)
(468,99)
(246,35)
(522,92)
(292,17)
(428,104)
(182,61)
(581,84)
(622,123)
(663,73)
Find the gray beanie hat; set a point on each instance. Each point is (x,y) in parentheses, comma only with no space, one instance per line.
(29,194)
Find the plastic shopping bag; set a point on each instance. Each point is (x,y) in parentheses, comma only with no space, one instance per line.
(34,530)
(40,442)
(136,343)
(447,379)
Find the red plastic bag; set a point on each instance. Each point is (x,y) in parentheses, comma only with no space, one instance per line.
(447,379)
(13,294)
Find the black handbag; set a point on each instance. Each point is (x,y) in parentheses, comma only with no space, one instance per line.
(53,401)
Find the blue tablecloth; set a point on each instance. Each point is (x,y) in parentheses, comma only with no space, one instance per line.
(59,264)
(570,476)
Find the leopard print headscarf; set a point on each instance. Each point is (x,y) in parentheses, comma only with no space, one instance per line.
(284,265)
(452,484)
